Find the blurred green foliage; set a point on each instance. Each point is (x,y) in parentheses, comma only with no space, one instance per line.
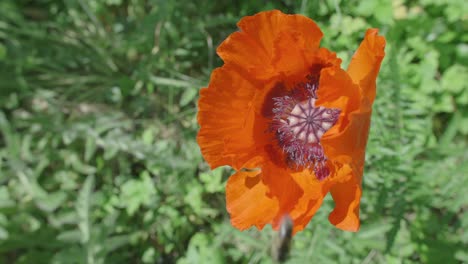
(98,159)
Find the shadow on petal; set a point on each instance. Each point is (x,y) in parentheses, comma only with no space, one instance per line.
(247,201)
(347,197)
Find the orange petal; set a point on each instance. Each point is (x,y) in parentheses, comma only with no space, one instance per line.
(247,201)
(226,119)
(239,50)
(347,195)
(255,48)
(346,141)
(349,145)
(310,201)
(337,90)
(283,188)
(321,58)
(289,59)
(265,27)
(365,64)
(299,194)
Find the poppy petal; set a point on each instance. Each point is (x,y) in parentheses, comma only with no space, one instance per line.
(347,197)
(348,148)
(255,48)
(227,119)
(325,58)
(349,145)
(310,201)
(283,188)
(365,64)
(289,59)
(265,27)
(238,50)
(337,90)
(247,201)
(346,141)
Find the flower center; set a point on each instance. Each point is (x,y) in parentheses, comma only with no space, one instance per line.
(299,125)
(308,123)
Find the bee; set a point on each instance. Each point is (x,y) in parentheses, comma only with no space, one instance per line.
(282,242)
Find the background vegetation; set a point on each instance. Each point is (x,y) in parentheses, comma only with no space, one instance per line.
(98,159)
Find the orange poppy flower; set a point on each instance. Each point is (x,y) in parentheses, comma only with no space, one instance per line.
(289,120)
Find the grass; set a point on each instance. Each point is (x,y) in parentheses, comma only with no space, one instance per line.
(98,159)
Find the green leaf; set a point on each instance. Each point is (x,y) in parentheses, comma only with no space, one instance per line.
(455,79)
(51,202)
(187,96)
(135,193)
(3,52)
(71,236)
(171,82)
(83,208)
